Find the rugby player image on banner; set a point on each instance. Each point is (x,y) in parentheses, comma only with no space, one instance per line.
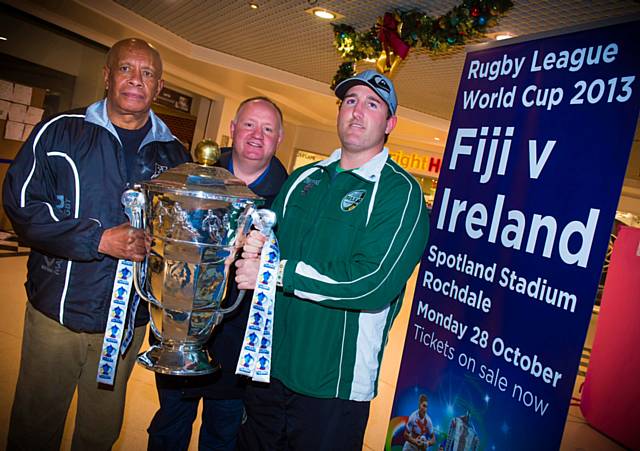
(418,432)
(531,177)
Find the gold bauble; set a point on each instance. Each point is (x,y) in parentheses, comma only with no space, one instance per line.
(206,152)
(390,67)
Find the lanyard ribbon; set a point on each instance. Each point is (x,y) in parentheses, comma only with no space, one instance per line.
(255,355)
(116,339)
(114,331)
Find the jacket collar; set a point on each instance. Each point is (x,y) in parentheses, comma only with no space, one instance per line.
(97,114)
(369,171)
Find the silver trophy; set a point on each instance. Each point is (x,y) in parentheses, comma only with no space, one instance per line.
(197,216)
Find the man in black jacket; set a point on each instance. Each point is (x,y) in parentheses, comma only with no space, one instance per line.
(62,195)
(256,131)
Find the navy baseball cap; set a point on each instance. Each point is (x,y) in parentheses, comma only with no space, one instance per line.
(380,84)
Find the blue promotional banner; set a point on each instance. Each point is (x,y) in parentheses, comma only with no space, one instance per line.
(530,181)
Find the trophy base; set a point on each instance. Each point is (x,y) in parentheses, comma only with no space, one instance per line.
(180,361)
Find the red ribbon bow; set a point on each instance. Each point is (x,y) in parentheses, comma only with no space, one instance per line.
(390,38)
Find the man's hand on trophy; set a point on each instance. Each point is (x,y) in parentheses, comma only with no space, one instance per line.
(248,265)
(253,245)
(124,241)
(247,273)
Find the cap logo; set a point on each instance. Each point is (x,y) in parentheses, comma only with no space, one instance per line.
(380,83)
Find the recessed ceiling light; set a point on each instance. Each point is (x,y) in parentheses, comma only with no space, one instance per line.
(324,13)
(500,35)
(436,139)
(503,36)
(254,5)
(2,38)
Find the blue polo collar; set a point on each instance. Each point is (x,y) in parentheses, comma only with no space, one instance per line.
(257,181)
(97,114)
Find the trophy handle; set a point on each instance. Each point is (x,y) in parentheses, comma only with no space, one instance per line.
(134,207)
(263,220)
(235,305)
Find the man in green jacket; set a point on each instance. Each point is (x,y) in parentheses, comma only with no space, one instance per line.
(351,229)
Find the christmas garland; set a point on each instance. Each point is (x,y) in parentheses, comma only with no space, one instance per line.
(390,39)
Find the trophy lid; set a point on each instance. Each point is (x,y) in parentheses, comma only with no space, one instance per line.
(203,182)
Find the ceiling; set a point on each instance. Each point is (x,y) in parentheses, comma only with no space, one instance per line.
(226,51)
(279,34)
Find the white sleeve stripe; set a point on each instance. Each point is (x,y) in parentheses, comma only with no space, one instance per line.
(373,200)
(76,177)
(312,276)
(53,216)
(23,191)
(296,183)
(311,272)
(96,220)
(313,296)
(76,213)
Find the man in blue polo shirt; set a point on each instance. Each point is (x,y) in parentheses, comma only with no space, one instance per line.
(256,131)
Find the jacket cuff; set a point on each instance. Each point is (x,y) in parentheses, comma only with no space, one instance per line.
(95,242)
(288,275)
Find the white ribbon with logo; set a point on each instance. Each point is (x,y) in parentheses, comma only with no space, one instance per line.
(255,355)
(115,322)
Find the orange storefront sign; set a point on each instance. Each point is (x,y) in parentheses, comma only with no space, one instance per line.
(416,163)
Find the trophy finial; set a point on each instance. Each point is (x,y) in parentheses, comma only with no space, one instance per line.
(206,152)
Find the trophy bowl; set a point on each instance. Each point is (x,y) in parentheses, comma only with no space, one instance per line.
(197,217)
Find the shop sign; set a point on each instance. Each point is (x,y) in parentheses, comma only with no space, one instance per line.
(304,157)
(417,163)
(174,99)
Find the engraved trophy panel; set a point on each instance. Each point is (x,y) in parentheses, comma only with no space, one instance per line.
(186,271)
(195,215)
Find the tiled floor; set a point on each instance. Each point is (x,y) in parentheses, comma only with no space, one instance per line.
(141,396)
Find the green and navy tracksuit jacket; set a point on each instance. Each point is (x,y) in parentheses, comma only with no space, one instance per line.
(351,240)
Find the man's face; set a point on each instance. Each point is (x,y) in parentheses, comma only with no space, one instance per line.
(423,408)
(132,78)
(256,132)
(362,120)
